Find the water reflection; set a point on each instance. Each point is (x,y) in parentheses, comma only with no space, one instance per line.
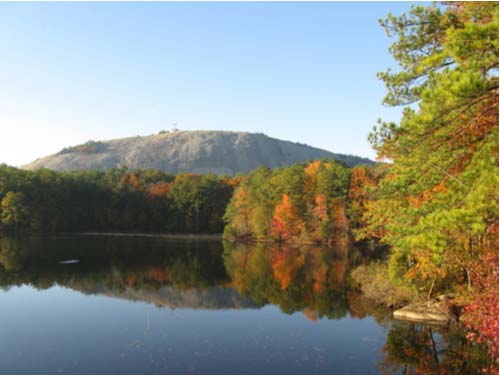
(206,276)
(183,274)
(309,279)
(424,349)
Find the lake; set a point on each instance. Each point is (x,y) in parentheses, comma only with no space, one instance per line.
(133,305)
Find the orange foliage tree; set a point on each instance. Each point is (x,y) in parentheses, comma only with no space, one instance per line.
(286,222)
(160,189)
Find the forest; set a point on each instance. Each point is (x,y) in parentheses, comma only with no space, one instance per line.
(301,203)
(115,200)
(432,199)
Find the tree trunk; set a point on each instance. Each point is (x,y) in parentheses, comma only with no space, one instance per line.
(429,295)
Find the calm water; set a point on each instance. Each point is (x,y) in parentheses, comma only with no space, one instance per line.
(111,305)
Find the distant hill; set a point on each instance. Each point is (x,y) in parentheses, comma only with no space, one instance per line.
(218,152)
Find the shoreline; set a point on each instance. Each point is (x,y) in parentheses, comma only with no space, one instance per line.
(179,236)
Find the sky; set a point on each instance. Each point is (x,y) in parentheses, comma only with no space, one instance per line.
(304,72)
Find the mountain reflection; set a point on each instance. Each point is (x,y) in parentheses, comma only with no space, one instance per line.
(194,274)
(311,280)
(170,274)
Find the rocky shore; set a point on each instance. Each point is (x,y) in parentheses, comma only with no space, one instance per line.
(441,310)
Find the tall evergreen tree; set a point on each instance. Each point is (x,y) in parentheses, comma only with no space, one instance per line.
(437,205)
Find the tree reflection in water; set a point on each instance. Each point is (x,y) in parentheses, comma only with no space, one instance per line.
(111,262)
(430,350)
(203,274)
(308,279)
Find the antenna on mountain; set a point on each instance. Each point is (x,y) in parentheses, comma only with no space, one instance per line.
(174,127)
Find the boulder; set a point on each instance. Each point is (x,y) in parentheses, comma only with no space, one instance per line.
(433,312)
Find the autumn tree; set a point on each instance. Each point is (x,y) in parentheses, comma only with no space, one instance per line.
(321,220)
(286,221)
(440,195)
(361,184)
(481,313)
(294,203)
(311,172)
(437,202)
(159,189)
(239,213)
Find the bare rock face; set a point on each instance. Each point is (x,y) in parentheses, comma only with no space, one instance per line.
(218,152)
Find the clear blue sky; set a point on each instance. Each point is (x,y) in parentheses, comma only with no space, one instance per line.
(303,72)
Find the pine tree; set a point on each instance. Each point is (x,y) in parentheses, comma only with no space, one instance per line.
(437,205)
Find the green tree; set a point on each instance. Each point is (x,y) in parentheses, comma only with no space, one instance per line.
(439,199)
(15,213)
(437,204)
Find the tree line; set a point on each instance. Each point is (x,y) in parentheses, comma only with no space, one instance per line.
(114,200)
(302,203)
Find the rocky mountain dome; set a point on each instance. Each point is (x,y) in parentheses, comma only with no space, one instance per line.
(218,152)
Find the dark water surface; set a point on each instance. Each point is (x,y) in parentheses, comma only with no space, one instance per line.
(111,305)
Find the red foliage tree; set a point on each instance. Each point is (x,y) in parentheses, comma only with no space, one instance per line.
(481,314)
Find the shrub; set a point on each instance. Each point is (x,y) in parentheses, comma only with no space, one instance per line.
(374,284)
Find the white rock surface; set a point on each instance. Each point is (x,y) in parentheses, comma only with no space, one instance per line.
(218,152)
